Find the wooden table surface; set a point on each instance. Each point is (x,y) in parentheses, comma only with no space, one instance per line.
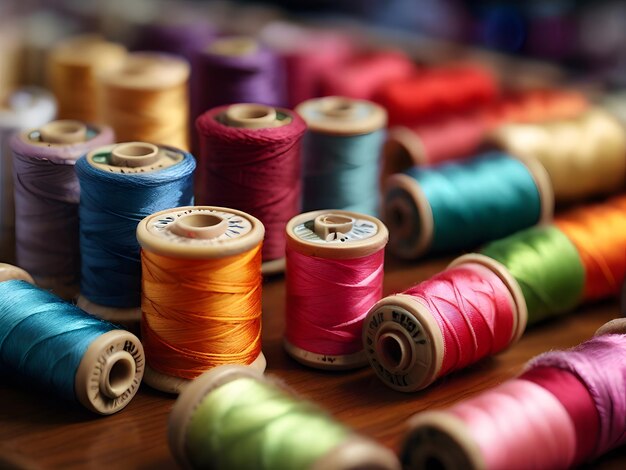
(38,431)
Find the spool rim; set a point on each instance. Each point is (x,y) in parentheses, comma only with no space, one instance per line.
(132,158)
(9,272)
(115,315)
(402,141)
(326,361)
(616,326)
(544,187)
(357,453)
(148,71)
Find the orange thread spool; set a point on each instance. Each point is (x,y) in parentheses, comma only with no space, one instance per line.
(599,234)
(201,293)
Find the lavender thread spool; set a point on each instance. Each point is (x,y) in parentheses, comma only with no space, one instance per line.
(47,194)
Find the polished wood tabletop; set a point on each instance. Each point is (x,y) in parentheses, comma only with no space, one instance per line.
(39,431)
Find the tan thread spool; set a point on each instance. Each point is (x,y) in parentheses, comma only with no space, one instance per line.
(403,342)
(584,157)
(197,233)
(146,99)
(400,213)
(73,69)
(356,453)
(333,234)
(127,158)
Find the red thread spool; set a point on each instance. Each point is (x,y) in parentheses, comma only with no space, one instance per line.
(250,160)
(362,76)
(471,310)
(437,92)
(334,275)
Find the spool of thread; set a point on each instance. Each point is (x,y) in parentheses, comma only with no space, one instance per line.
(584,156)
(74,65)
(261,175)
(26,108)
(566,409)
(175,36)
(47,193)
(472,310)
(363,75)
(217,422)
(341,154)
(61,349)
(456,206)
(138,179)
(339,253)
(146,99)
(201,296)
(437,92)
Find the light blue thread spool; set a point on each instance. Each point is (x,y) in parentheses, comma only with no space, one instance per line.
(458,206)
(60,348)
(341,154)
(120,185)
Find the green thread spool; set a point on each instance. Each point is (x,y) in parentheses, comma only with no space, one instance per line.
(232,418)
(547,267)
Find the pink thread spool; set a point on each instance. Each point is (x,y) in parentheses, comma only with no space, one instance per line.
(334,274)
(413,338)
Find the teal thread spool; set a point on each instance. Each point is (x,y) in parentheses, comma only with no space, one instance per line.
(232,418)
(457,206)
(341,154)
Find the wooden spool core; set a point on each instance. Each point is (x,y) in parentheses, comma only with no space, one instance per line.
(63,132)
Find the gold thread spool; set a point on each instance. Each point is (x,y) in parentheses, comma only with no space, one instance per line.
(403,342)
(73,67)
(197,233)
(127,158)
(333,234)
(585,156)
(356,453)
(146,98)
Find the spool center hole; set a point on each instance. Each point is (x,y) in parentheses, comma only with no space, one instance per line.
(392,351)
(121,375)
(202,220)
(433,462)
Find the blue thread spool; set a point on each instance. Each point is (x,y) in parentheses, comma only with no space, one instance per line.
(59,347)
(120,185)
(341,154)
(458,206)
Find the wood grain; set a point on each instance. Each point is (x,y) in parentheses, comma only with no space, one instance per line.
(39,431)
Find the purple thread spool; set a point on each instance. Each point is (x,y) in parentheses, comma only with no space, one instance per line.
(182,38)
(47,194)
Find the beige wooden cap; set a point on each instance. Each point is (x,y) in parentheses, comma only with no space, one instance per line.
(63,132)
(88,50)
(9,272)
(234,46)
(544,187)
(254,116)
(403,149)
(326,361)
(134,157)
(336,234)
(616,326)
(341,116)
(148,71)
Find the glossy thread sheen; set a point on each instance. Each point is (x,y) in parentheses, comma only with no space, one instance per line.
(546,266)
(199,314)
(249,423)
(110,264)
(328,299)
(44,338)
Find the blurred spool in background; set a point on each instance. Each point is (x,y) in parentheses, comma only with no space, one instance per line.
(261,175)
(340,254)
(147,99)
(456,206)
(138,179)
(25,108)
(221,411)
(341,153)
(202,284)
(74,66)
(47,194)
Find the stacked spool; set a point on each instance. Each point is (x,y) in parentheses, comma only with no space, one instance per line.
(339,253)
(289,433)
(201,302)
(261,174)
(456,206)
(341,154)
(25,108)
(472,310)
(146,99)
(566,409)
(47,194)
(138,178)
(74,66)
(60,348)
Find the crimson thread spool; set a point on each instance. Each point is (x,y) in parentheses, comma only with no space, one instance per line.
(339,253)
(472,310)
(201,293)
(341,154)
(250,160)
(47,194)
